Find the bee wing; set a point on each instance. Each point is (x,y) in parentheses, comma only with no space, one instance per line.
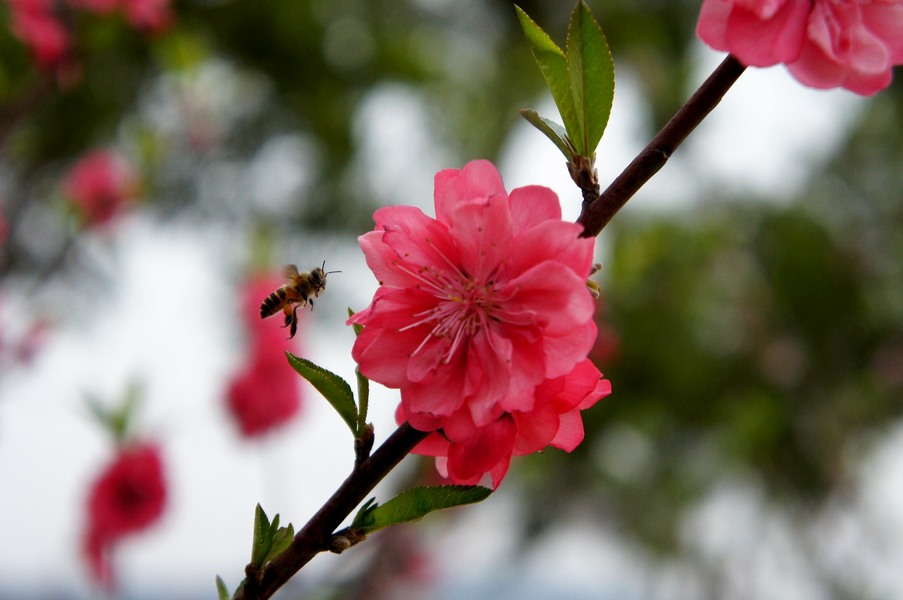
(290,272)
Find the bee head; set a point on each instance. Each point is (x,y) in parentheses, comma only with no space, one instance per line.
(318,276)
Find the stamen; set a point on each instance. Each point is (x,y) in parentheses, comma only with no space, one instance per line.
(448,261)
(462,308)
(433,284)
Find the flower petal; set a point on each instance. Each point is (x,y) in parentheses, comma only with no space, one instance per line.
(488,374)
(560,352)
(478,179)
(533,205)
(535,430)
(762,42)
(381,354)
(557,298)
(491,444)
(483,232)
(557,241)
(570,431)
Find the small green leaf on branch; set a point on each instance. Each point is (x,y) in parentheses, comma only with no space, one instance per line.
(592,74)
(270,540)
(263,540)
(362,516)
(363,399)
(335,389)
(551,130)
(581,81)
(222,592)
(414,503)
(282,539)
(554,67)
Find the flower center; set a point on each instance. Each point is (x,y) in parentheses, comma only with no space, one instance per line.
(463,307)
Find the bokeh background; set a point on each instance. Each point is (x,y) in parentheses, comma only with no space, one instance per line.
(751,320)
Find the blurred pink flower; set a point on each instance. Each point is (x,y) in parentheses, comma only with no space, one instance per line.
(34,22)
(129,495)
(265,393)
(477,309)
(100,185)
(824,43)
(148,15)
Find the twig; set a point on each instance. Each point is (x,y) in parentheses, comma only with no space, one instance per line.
(596,213)
(314,537)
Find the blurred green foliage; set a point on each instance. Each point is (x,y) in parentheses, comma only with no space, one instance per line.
(753,341)
(746,346)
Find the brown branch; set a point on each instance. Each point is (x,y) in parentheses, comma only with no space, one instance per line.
(315,536)
(598,212)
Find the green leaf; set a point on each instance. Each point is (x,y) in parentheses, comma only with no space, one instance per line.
(270,540)
(363,514)
(363,397)
(551,129)
(263,539)
(416,502)
(592,79)
(554,67)
(335,389)
(117,419)
(222,592)
(282,539)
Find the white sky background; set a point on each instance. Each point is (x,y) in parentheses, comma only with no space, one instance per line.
(167,321)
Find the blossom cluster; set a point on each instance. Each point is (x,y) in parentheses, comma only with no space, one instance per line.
(823,43)
(265,393)
(483,321)
(39,25)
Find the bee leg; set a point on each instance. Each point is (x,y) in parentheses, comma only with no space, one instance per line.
(287,312)
(294,325)
(311,302)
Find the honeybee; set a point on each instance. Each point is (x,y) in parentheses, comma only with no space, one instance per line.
(300,290)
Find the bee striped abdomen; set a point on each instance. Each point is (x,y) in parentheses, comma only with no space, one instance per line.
(272,303)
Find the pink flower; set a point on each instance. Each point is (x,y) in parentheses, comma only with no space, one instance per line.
(265,394)
(99,185)
(128,496)
(34,22)
(824,43)
(477,309)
